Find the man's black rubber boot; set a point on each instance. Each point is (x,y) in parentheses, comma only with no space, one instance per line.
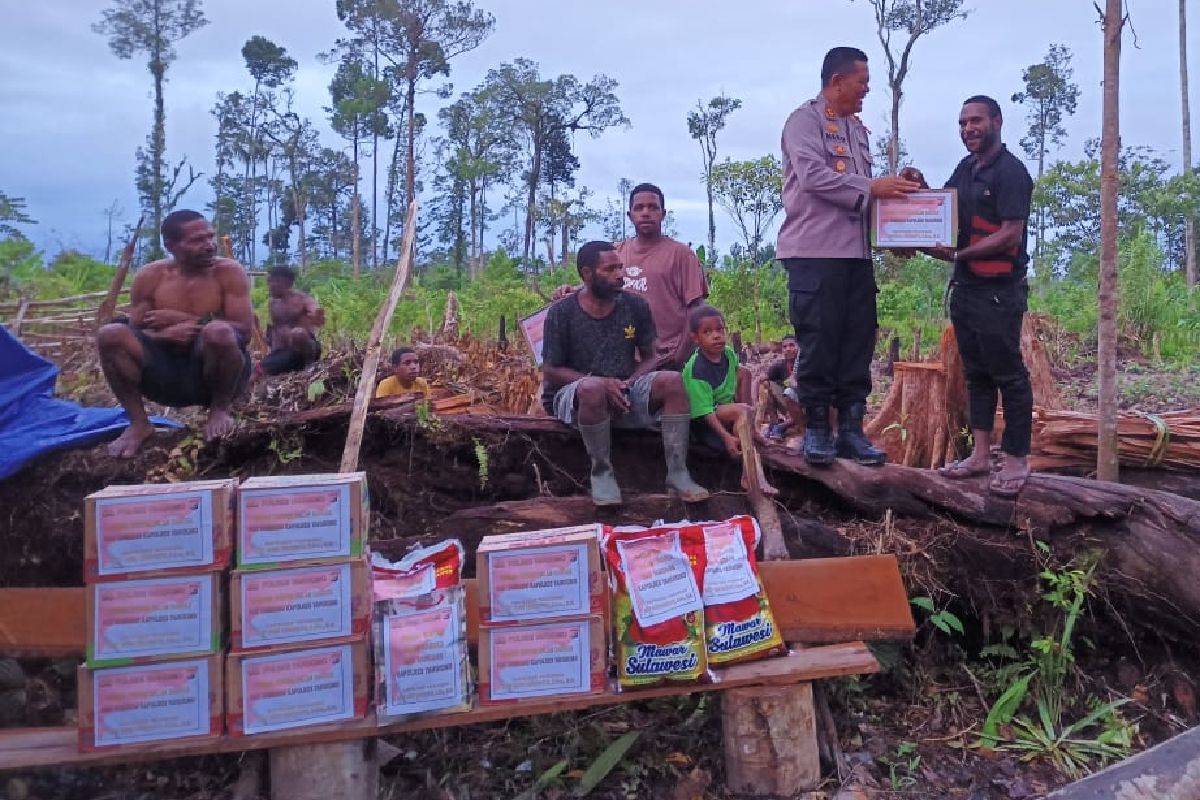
(852,443)
(818,441)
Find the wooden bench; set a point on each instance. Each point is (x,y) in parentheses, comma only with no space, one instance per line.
(824,608)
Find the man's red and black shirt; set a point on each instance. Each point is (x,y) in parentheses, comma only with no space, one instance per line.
(988,194)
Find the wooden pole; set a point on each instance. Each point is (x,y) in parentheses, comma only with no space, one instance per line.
(366,383)
(769,732)
(346,770)
(109,305)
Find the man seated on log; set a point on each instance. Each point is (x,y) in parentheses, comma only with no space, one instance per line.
(989,293)
(593,378)
(778,384)
(295,320)
(405,378)
(184,341)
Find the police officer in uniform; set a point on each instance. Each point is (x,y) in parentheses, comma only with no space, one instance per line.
(989,293)
(827,189)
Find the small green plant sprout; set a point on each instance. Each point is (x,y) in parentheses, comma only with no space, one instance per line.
(481,458)
(945,621)
(902,766)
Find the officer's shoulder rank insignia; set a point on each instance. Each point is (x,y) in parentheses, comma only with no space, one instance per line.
(630,331)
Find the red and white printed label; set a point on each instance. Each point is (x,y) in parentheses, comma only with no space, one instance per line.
(164,531)
(727,573)
(296,605)
(659,575)
(538,582)
(289,690)
(151,703)
(294,524)
(156,617)
(540,660)
(423,659)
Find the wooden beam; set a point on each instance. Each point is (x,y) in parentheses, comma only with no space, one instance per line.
(40,747)
(366,382)
(815,600)
(109,304)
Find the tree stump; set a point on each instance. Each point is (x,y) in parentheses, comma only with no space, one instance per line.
(344,770)
(770,740)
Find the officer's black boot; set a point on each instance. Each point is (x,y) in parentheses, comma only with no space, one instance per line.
(818,440)
(852,442)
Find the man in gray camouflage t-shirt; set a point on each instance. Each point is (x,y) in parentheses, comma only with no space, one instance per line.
(599,359)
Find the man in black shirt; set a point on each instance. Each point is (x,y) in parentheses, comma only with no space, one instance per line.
(990,293)
(599,372)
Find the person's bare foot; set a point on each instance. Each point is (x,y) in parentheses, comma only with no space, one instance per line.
(767,489)
(130,441)
(1011,478)
(220,422)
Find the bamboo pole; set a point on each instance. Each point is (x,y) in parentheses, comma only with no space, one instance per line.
(366,383)
(114,289)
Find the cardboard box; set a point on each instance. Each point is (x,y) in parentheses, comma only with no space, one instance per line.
(302,519)
(539,575)
(282,689)
(158,529)
(135,621)
(272,608)
(422,662)
(565,657)
(127,707)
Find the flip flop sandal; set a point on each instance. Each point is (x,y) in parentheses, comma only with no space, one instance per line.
(959,470)
(1007,487)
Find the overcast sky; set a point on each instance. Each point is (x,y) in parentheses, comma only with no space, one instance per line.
(71,113)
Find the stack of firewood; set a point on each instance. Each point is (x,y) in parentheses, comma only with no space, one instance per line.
(1067,440)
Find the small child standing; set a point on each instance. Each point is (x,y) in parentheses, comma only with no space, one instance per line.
(717,390)
(405,377)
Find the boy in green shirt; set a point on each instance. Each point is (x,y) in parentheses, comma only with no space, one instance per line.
(717,390)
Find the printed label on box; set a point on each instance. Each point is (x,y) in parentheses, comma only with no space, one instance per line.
(539,661)
(422,660)
(389,584)
(532,583)
(295,605)
(150,703)
(153,617)
(294,524)
(727,574)
(661,583)
(154,532)
(289,690)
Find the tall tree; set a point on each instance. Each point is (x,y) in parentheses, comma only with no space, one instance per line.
(1189,264)
(358,100)
(271,67)
(152,27)
(704,124)
(1113,19)
(296,146)
(750,192)
(111,213)
(12,213)
(539,110)
(913,19)
(1049,96)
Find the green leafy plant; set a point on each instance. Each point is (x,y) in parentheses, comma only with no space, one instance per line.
(481,458)
(945,621)
(902,766)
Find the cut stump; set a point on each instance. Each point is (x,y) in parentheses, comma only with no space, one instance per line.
(770,740)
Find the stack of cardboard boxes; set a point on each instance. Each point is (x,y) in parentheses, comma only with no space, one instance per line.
(154,564)
(300,604)
(543,609)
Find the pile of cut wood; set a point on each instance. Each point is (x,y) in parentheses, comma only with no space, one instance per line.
(1066,440)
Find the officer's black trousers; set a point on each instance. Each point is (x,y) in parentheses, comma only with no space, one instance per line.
(987,324)
(832,307)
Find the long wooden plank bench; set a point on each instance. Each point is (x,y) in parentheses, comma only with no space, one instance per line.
(829,603)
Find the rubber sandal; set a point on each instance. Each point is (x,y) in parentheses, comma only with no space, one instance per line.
(959,470)
(1007,487)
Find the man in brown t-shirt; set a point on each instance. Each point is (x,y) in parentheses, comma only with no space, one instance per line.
(664,272)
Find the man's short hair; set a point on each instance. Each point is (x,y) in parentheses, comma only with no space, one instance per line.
(992,106)
(589,255)
(700,313)
(401,352)
(280,271)
(788,337)
(839,61)
(172,224)
(647,187)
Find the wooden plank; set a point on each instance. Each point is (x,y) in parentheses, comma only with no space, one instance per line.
(39,747)
(109,304)
(814,600)
(42,622)
(20,320)
(366,382)
(837,599)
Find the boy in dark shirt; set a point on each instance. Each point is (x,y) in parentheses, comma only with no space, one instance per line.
(717,390)
(593,378)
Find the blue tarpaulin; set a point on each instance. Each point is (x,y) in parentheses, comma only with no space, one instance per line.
(33,421)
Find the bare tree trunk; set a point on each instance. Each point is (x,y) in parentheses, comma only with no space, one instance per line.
(158,145)
(355,222)
(894,138)
(712,221)
(410,160)
(1110,145)
(535,177)
(1190,225)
